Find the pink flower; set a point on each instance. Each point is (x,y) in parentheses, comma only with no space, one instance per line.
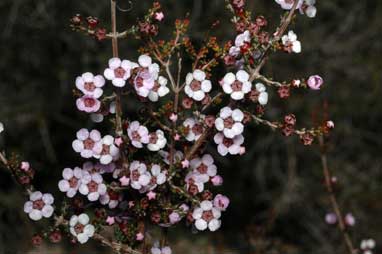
(90,85)
(109,151)
(330,124)
(138,134)
(237,85)
(204,167)
(159,16)
(217,180)
(228,146)
(350,220)
(147,75)
(118,141)
(88,104)
(157,141)
(195,129)
(92,186)
(87,143)
(139,237)
(151,195)
(185,163)
(110,220)
(158,177)
(331,218)
(71,181)
(230,122)
(139,176)
(207,216)
(125,181)
(119,71)
(197,86)
(221,202)
(25,166)
(315,82)
(39,206)
(173,117)
(174,217)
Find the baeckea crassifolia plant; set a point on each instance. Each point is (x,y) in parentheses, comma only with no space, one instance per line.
(153,168)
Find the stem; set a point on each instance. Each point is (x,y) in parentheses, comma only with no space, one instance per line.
(333,199)
(114,42)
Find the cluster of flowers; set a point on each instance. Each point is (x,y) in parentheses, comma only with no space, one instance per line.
(140,174)
(305,6)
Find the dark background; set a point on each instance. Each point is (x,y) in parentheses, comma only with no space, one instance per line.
(278,202)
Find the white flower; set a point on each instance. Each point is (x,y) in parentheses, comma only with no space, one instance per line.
(71,181)
(229,122)
(157,250)
(178,156)
(237,85)
(308,8)
(39,205)
(92,185)
(119,71)
(204,166)
(207,216)
(139,176)
(87,143)
(109,150)
(157,141)
(227,145)
(80,227)
(263,95)
(291,43)
(1,127)
(288,4)
(90,85)
(195,129)
(160,89)
(138,134)
(240,40)
(194,180)
(197,85)
(146,77)
(158,177)
(367,244)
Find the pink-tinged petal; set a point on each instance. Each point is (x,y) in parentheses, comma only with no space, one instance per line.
(114,63)
(222,150)
(219,124)
(237,95)
(109,74)
(199,75)
(227,88)
(238,128)
(206,86)
(218,138)
(80,83)
(225,112)
(242,76)
(144,61)
(67,173)
(94,196)
(234,149)
(119,82)
(237,115)
(106,159)
(78,146)
(82,134)
(86,154)
(88,77)
(201,224)
(198,95)
(229,78)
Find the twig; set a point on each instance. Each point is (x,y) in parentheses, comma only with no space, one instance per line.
(333,199)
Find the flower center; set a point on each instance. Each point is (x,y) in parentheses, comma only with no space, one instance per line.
(195,85)
(105,149)
(38,204)
(135,136)
(227,142)
(92,186)
(197,129)
(237,86)
(153,180)
(202,169)
(89,144)
(89,102)
(119,72)
(73,182)
(89,86)
(156,87)
(228,122)
(135,175)
(79,228)
(207,216)
(153,138)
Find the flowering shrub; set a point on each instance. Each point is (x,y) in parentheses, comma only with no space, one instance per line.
(152,168)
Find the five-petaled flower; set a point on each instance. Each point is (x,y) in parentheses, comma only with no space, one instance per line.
(39,205)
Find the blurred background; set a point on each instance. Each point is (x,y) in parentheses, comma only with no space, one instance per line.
(278,201)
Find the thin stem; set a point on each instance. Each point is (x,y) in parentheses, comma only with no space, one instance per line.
(333,199)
